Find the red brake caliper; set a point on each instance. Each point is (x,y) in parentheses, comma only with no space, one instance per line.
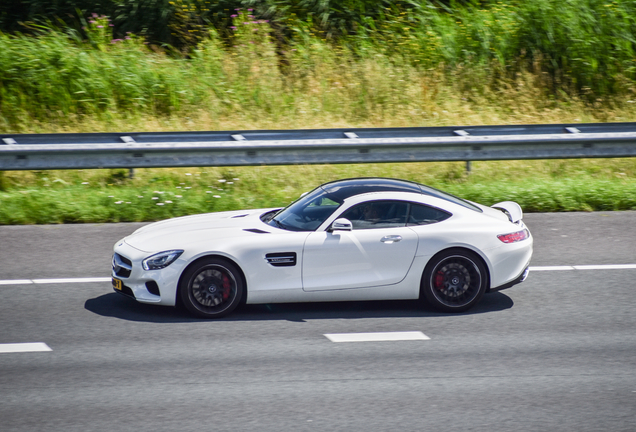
(439,280)
(226,287)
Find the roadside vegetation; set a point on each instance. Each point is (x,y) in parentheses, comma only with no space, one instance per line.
(157,65)
(153,194)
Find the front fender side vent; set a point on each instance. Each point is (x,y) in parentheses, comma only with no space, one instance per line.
(281,259)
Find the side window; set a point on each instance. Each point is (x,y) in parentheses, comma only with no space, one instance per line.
(424,215)
(377,214)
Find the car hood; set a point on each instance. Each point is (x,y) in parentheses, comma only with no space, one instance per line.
(180,232)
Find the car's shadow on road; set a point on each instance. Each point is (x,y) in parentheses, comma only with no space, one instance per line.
(116,306)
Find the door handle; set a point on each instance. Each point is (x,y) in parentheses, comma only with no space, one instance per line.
(391,239)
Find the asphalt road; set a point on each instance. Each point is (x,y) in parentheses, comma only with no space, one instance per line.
(556,353)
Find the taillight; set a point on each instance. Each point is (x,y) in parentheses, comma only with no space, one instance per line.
(514,237)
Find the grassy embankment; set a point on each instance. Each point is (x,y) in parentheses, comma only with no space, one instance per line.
(445,70)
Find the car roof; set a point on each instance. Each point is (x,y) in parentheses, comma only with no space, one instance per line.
(343,189)
(340,190)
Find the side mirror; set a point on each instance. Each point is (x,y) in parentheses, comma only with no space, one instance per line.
(341,224)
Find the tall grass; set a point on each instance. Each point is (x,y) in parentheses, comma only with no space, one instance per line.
(584,47)
(397,60)
(54,78)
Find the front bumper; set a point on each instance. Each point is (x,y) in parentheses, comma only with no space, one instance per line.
(145,286)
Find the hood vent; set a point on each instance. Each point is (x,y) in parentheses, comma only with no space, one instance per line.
(238,216)
(281,259)
(256,231)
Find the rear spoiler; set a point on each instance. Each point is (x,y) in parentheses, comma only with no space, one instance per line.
(511,209)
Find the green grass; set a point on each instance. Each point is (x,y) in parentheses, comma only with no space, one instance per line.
(154,194)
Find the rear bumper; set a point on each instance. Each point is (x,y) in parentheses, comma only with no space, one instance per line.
(522,277)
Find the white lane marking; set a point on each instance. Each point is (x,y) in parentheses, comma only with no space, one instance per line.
(16,282)
(375,337)
(606,267)
(24,347)
(550,268)
(585,267)
(70,280)
(54,281)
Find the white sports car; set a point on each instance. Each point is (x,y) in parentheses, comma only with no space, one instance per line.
(355,239)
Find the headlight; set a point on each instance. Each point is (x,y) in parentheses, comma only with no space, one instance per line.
(161,260)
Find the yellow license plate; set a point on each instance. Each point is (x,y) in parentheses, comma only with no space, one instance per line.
(117,284)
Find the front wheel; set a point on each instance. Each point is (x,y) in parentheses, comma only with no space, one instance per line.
(454,281)
(211,288)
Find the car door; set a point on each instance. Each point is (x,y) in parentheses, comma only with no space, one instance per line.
(378,251)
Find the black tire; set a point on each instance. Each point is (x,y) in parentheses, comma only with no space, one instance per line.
(211,288)
(454,280)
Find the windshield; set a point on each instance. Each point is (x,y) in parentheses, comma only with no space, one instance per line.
(307,213)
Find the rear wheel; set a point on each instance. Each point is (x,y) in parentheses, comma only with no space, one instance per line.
(211,288)
(454,281)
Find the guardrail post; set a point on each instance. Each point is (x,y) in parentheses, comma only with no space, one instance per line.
(463,133)
(129,140)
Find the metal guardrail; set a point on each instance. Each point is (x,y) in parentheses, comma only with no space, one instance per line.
(317,146)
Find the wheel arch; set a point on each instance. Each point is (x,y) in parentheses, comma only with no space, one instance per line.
(452,249)
(178,300)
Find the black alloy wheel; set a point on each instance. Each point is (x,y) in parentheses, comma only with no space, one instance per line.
(211,288)
(454,281)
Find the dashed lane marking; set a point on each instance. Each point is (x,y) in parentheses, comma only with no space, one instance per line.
(376,337)
(23,347)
